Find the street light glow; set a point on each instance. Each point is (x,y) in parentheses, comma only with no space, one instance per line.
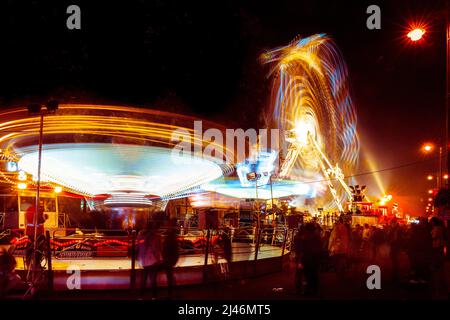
(430,177)
(427,147)
(416,34)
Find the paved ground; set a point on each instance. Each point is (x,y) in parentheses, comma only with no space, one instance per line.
(350,285)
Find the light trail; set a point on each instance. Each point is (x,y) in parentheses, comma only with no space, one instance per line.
(311,96)
(81,142)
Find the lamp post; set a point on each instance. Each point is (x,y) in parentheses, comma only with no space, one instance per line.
(428,148)
(415,35)
(51,107)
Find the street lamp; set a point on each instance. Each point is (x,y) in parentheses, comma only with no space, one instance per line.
(428,148)
(416,32)
(34,108)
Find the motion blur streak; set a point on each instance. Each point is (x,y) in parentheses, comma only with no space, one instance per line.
(311,95)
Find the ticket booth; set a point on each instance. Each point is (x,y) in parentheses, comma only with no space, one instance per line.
(48,200)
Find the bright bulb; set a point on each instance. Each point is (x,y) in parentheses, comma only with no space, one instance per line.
(416,34)
(58,189)
(21,186)
(427,148)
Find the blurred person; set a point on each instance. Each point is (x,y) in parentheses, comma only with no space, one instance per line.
(308,251)
(40,233)
(339,245)
(170,256)
(365,245)
(325,262)
(299,272)
(378,242)
(356,241)
(150,257)
(438,240)
(420,248)
(438,276)
(9,279)
(226,251)
(394,237)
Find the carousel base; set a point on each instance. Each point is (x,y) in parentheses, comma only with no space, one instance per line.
(114,273)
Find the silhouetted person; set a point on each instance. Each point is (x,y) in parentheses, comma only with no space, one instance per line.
(170,256)
(150,257)
(298,249)
(420,242)
(339,245)
(225,251)
(40,233)
(438,277)
(308,248)
(8,277)
(437,236)
(394,237)
(225,243)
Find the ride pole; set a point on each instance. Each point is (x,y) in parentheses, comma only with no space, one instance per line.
(36,212)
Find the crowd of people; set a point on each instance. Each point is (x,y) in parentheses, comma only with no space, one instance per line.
(159,250)
(318,248)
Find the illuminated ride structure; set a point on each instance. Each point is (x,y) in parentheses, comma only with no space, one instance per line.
(313,108)
(112,156)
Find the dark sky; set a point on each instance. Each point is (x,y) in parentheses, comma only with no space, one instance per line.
(201,57)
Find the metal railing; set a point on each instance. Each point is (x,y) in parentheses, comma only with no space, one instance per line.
(203,244)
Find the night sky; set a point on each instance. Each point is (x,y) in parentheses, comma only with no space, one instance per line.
(202,58)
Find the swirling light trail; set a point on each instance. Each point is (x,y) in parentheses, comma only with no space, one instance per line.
(311,95)
(88,137)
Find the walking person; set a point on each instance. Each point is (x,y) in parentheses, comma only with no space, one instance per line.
(438,277)
(339,245)
(420,250)
(30,233)
(365,245)
(9,279)
(298,250)
(225,252)
(309,251)
(150,258)
(394,237)
(170,256)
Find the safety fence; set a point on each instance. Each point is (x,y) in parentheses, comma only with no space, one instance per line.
(248,243)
